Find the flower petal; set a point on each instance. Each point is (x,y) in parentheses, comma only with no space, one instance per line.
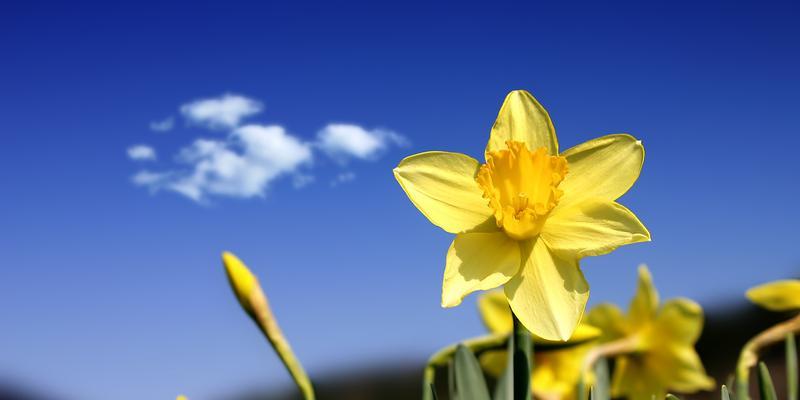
(442,185)
(523,119)
(478,261)
(608,318)
(495,313)
(777,296)
(593,227)
(549,293)
(681,369)
(605,167)
(645,302)
(679,320)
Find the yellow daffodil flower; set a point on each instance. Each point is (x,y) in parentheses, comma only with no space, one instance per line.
(557,370)
(526,216)
(181,397)
(777,296)
(781,295)
(653,344)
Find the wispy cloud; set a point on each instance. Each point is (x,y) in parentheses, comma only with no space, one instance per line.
(250,158)
(343,177)
(164,125)
(141,152)
(243,165)
(343,141)
(222,112)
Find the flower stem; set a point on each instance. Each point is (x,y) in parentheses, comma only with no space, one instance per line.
(441,358)
(625,345)
(749,354)
(523,362)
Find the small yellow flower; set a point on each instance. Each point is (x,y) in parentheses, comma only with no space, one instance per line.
(181,397)
(527,216)
(661,356)
(556,371)
(777,296)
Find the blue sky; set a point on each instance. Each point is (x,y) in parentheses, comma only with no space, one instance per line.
(112,287)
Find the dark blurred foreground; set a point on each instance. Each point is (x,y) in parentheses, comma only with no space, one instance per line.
(724,334)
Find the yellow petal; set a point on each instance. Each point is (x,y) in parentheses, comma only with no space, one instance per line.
(680,321)
(608,318)
(593,227)
(637,378)
(680,369)
(556,373)
(243,282)
(644,304)
(494,362)
(549,293)
(478,261)
(605,167)
(442,185)
(523,119)
(495,313)
(777,296)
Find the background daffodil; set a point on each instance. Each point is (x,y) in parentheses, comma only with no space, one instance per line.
(556,369)
(526,216)
(781,295)
(654,344)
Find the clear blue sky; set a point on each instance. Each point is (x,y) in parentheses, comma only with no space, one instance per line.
(108,289)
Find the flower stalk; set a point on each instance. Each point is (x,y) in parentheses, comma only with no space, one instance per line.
(523,362)
(252,299)
(622,346)
(748,357)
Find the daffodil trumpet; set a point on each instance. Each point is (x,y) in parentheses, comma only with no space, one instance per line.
(252,299)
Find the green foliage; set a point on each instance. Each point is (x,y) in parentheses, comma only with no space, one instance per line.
(791,367)
(505,385)
(470,383)
(724,394)
(765,386)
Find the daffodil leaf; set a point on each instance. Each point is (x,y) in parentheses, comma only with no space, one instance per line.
(671,396)
(505,385)
(432,390)
(791,367)
(470,384)
(523,348)
(724,393)
(765,386)
(602,386)
(451,380)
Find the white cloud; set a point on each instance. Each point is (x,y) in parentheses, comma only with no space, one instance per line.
(343,141)
(221,112)
(241,166)
(164,125)
(141,152)
(344,177)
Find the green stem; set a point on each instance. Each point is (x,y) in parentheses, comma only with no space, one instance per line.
(523,362)
(441,358)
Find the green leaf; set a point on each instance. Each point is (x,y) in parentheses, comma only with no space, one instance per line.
(470,383)
(432,391)
(791,367)
(724,393)
(451,380)
(671,396)
(765,386)
(602,385)
(505,385)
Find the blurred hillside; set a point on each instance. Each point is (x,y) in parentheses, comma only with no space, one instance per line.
(724,334)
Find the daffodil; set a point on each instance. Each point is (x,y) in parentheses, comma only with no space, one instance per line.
(653,344)
(557,370)
(526,216)
(783,295)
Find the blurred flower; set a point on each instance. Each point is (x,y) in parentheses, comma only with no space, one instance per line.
(525,217)
(653,345)
(557,370)
(777,296)
(181,397)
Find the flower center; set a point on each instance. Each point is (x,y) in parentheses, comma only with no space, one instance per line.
(522,187)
